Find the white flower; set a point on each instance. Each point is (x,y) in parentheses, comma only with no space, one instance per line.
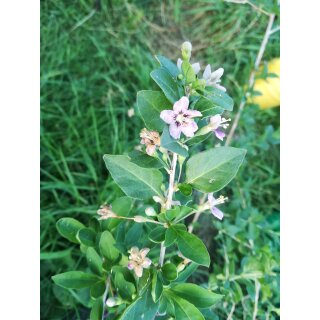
(213,202)
(195,66)
(213,78)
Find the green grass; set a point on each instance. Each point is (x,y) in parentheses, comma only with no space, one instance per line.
(89,79)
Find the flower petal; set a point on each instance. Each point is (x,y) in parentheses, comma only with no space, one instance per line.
(207,73)
(167,116)
(220,87)
(215,121)
(193,113)
(144,252)
(181,105)
(217,74)
(151,148)
(146,263)
(189,129)
(196,67)
(175,131)
(217,213)
(219,134)
(131,265)
(211,198)
(179,63)
(138,271)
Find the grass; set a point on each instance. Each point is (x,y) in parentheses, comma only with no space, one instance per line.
(90,74)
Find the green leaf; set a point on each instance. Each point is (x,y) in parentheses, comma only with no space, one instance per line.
(171,144)
(87,237)
(68,228)
(187,272)
(185,188)
(142,308)
(150,104)
(184,310)
(122,207)
(211,170)
(200,297)
(136,182)
(94,261)
(169,271)
(63,254)
(214,102)
(198,138)
(168,65)
(98,289)
(156,287)
(166,83)
(170,237)
(97,310)
(193,248)
(126,289)
(188,72)
(157,234)
(107,248)
(144,160)
(144,282)
(184,212)
(75,279)
(172,234)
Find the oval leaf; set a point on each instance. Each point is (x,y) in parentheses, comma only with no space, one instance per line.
(184,310)
(169,271)
(193,248)
(107,248)
(68,228)
(150,104)
(167,84)
(200,297)
(75,279)
(135,181)
(211,170)
(94,261)
(97,310)
(87,237)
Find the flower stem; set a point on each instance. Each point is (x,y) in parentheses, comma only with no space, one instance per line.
(168,203)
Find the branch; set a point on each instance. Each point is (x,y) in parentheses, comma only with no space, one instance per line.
(168,203)
(251,78)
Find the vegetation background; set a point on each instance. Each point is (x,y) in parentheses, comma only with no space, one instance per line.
(95,56)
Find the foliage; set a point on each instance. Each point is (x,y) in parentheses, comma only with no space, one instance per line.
(89,76)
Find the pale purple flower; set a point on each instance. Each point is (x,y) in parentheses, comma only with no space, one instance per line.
(180,119)
(138,260)
(213,78)
(213,202)
(195,66)
(217,122)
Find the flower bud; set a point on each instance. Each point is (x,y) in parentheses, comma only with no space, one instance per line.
(113,301)
(150,212)
(204,130)
(186,49)
(181,267)
(140,219)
